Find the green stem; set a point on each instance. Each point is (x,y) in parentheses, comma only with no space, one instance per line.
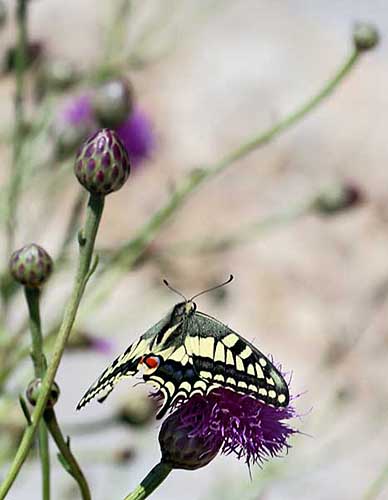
(149,484)
(243,235)
(68,458)
(20,67)
(32,297)
(86,241)
(377,485)
(128,254)
(130,251)
(44,460)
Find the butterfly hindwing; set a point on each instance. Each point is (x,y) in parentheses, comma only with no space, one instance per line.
(222,358)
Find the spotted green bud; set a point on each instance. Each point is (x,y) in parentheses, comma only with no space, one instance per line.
(365,36)
(102,163)
(33,391)
(31,265)
(180,450)
(113,102)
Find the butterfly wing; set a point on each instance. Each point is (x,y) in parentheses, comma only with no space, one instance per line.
(125,365)
(222,358)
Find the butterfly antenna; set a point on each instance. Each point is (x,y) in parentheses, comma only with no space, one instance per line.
(173,290)
(231,277)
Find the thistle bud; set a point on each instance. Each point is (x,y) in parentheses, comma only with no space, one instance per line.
(113,102)
(33,392)
(31,265)
(365,36)
(181,450)
(337,199)
(102,163)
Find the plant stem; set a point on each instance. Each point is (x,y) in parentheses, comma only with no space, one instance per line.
(377,485)
(243,235)
(87,241)
(32,297)
(149,484)
(71,463)
(44,460)
(130,251)
(20,67)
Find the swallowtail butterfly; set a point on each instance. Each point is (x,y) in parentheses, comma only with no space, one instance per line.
(189,352)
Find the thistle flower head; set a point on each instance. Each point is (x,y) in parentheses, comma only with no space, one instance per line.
(31,265)
(228,422)
(137,136)
(102,164)
(73,124)
(78,111)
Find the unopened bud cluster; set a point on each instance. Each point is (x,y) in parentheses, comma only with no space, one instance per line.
(102,163)
(34,389)
(31,265)
(365,36)
(180,450)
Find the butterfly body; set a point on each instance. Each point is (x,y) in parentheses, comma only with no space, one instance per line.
(189,352)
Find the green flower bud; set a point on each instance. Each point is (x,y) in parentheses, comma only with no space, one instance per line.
(180,450)
(337,199)
(365,36)
(102,163)
(113,102)
(31,265)
(33,392)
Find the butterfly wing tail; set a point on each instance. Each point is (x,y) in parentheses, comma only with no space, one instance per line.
(125,365)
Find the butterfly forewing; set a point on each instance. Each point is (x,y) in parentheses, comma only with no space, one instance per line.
(125,365)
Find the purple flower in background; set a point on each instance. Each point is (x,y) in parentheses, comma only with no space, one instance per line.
(73,124)
(101,345)
(137,136)
(81,340)
(77,120)
(78,111)
(228,422)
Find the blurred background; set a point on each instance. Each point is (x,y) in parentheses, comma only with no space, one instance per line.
(311,279)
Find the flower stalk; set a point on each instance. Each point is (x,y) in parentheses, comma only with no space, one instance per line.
(20,67)
(127,255)
(85,270)
(32,297)
(152,481)
(66,456)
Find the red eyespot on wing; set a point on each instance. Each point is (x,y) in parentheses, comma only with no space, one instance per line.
(152,362)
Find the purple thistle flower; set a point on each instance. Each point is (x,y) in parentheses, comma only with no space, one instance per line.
(230,422)
(137,135)
(100,345)
(78,111)
(73,124)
